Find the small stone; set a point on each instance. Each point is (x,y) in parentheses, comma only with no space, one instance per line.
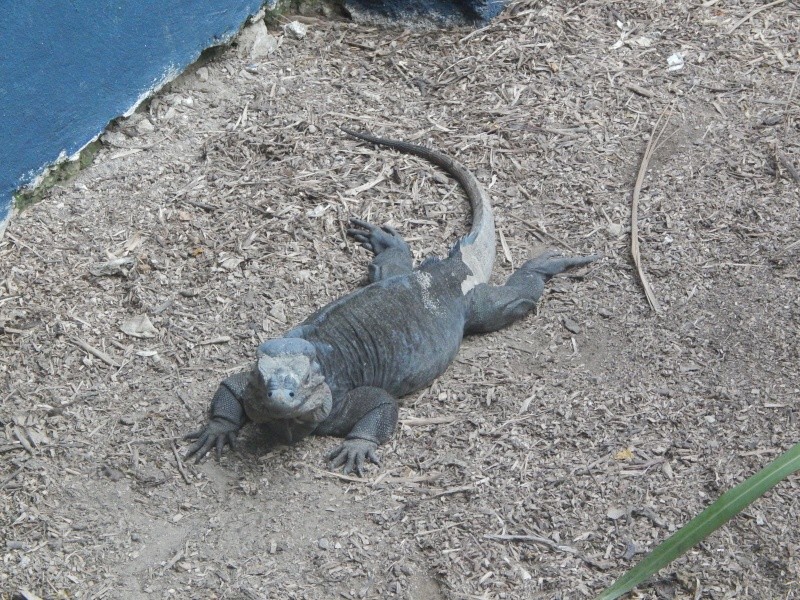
(202,73)
(296,29)
(675,62)
(571,325)
(144,126)
(630,551)
(323,544)
(615,513)
(439,178)
(277,312)
(114,138)
(605,313)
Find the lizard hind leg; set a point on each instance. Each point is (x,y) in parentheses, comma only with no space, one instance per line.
(392,254)
(490,308)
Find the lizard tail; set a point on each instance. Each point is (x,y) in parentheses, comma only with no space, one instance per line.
(477,248)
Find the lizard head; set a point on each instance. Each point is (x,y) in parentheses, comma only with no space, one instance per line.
(286,382)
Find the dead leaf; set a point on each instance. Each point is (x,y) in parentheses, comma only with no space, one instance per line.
(118,266)
(229,261)
(624,454)
(615,513)
(138,327)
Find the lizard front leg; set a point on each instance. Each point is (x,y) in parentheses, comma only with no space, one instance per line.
(366,417)
(392,254)
(226,418)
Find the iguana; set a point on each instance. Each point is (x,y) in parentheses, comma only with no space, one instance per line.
(341,371)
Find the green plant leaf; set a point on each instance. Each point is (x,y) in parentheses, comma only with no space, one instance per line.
(729,505)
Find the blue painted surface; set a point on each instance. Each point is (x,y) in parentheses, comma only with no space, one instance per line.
(445,12)
(69,67)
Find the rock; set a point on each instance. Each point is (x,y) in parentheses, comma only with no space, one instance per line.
(144,126)
(114,138)
(277,312)
(296,29)
(571,325)
(255,42)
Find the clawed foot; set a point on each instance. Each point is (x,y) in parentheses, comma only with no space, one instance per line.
(551,263)
(375,239)
(216,434)
(352,454)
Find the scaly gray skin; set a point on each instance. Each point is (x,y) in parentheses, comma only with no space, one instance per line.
(339,372)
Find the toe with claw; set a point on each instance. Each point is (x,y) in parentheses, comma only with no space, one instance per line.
(217,434)
(373,238)
(352,455)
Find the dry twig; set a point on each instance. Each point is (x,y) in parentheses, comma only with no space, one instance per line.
(428,421)
(652,143)
(533,539)
(179,462)
(95,352)
(752,14)
(790,168)
(781,157)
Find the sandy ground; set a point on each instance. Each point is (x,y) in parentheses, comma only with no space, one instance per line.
(595,426)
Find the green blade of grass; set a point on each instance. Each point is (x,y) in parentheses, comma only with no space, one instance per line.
(729,505)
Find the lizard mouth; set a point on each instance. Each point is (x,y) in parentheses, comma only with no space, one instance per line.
(283,387)
(272,401)
(283,397)
(283,400)
(266,406)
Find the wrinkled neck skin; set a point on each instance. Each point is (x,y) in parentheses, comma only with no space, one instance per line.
(287,385)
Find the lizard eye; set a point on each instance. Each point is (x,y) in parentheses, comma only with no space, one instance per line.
(291,394)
